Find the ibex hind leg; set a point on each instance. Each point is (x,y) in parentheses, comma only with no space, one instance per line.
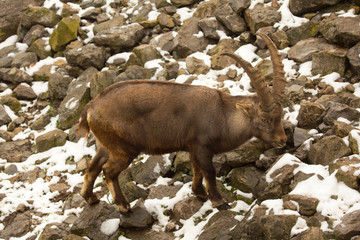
(92,171)
(117,162)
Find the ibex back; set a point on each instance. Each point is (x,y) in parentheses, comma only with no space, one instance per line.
(155,117)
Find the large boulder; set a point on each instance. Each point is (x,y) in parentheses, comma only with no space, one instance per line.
(261,16)
(100,81)
(65,32)
(304,49)
(51,139)
(33,15)
(328,149)
(354,59)
(10,15)
(14,75)
(120,37)
(87,56)
(114,22)
(210,26)
(58,83)
(75,100)
(231,20)
(142,54)
(329,61)
(344,31)
(349,226)
(299,7)
(304,31)
(188,40)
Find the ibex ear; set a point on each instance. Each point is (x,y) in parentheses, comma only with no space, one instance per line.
(246,108)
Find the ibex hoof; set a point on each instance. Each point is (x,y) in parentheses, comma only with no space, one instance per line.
(223,206)
(91,200)
(126,211)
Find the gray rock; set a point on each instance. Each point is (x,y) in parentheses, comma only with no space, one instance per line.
(75,100)
(354,59)
(185,208)
(334,110)
(344,31)
(143,53)
(306,30)
(244,178)
(218,61)
(300,136)
(328,61)
(33,15)
(14,75)
(219,225)
(17,226)
(100,81)
(4,117)
(279,186)
(299,7)
(87,56)
(54,231)
(186,41)
(210,26)
(89,222)
(92,3)
(310,234)
(139,218)
(165,41)
(49,140)
(59,83)
(148,172)
(240,5)
(10,12)
(120,37)
(65,32)
(41,48)
(304,49)
(346,169)
(114,22)
(135,72)
(328,149)
(35,32)
(161,191)
(349,226)
(248,152)
(23,92)
(16,151)
(11,169)
(24,59)
(261,16)
(280,39)
(231,20)
(182,3)
(267,227)
(309,114)
(196,66)
(307,205)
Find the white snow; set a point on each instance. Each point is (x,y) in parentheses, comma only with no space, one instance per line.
(9,41)
(110,226)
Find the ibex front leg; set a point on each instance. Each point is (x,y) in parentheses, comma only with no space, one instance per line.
(203,158)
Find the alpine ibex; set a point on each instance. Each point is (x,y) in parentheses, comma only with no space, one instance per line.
(156,117)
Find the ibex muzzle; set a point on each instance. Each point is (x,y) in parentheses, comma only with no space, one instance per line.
(156,117)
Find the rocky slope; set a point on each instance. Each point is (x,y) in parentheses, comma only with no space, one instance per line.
(57,55)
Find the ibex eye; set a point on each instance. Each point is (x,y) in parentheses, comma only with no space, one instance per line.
(265,120)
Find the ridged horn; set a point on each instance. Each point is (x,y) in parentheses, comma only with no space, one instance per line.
(279,80)
(257,81)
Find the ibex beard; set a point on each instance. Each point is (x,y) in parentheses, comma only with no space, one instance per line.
(156,117)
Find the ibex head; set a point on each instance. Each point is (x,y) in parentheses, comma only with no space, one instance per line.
(266,117)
